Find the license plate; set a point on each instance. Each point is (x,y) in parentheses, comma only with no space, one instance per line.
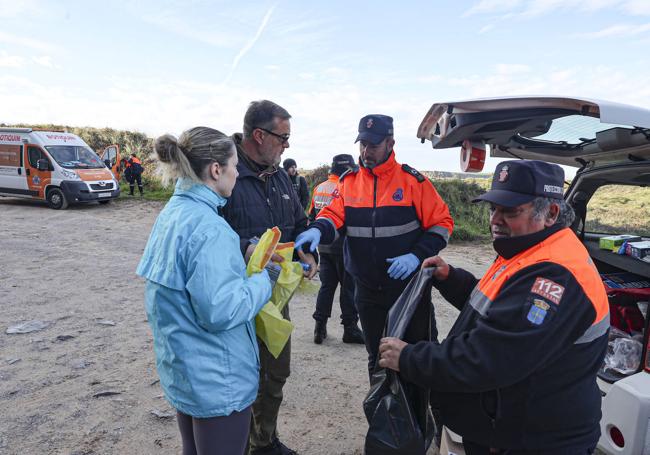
(104,195)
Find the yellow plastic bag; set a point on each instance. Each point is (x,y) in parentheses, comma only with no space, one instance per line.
(271,326)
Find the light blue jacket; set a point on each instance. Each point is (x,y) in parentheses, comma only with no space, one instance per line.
(201,306)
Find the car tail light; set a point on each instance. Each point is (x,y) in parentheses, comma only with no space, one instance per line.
(617,436)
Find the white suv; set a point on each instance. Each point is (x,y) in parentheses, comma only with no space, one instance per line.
(610,145)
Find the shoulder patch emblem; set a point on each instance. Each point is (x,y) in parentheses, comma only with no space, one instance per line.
(538,311)
(548,289)
(414,172)
(348,172)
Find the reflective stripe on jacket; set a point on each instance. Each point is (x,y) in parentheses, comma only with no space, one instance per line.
(518,368)
(385,212)
(321,198)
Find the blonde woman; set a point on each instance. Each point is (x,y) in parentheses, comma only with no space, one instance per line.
(200,303)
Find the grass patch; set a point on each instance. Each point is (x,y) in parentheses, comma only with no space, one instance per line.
(619,209)
(153,190)
(471,221)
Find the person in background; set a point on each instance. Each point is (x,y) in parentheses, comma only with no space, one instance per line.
(332,271)
(517,372)
(200,303)
(262,198)
(297,181)
(392,217)
(133,173)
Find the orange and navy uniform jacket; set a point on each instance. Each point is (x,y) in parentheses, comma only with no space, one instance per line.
(133,166)
(518,369)
(384,212)
(323,193)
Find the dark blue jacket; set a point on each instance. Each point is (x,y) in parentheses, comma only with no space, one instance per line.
(261,200)
(518,370)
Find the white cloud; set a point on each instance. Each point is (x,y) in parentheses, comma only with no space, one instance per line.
(13,8)
(637,7)
(10,61)
(44,60)
(173,22)
(510,68)
(534,8)
(618,30)
(26,42)
(486,29)
(325,116)
(492,6)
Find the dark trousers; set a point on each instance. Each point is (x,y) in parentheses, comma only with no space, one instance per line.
(373,306)
(273,375)
(472,448)
(132,180)
(332,273)
(223,435)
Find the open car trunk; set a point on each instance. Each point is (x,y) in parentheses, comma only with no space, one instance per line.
(608,142)
(627,279)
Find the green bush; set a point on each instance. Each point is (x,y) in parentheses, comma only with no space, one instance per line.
(471,221)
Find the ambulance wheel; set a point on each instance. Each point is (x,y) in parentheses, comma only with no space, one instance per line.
(56,199)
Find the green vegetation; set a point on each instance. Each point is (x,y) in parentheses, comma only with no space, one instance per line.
(470,220)
(620,209)
(153,190)
(613,209)
(100,138)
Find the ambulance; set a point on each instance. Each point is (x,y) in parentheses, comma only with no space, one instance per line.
(54,166)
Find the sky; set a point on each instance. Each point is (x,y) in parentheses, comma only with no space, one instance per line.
(164,66)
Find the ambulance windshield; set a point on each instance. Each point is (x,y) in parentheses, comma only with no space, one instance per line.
(75,157)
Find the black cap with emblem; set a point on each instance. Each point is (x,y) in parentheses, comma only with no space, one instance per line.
(374,128)
(517,182)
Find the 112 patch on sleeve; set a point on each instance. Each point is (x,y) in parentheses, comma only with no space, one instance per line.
(548,289)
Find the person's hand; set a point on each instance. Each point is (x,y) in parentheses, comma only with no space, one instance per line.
(441,272)
(249,252)
(402,266)
(389,351)
(308,259)
(273,270)
(311,236)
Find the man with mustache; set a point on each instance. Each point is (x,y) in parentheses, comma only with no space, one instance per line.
(517,372)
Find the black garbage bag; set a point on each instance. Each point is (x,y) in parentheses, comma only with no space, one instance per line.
(398,413)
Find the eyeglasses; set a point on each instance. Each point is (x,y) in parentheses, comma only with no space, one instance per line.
(283,137)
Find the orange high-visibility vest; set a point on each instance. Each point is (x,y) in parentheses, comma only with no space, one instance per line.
(323,193)
(561,248)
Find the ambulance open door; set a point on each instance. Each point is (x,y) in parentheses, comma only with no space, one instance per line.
(111,157)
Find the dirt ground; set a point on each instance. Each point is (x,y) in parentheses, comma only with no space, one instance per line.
(87,384)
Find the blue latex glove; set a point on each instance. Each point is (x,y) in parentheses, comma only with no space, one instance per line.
(402,266)
(311,236)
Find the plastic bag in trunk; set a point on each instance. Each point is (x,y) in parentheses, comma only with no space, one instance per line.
(398,413)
